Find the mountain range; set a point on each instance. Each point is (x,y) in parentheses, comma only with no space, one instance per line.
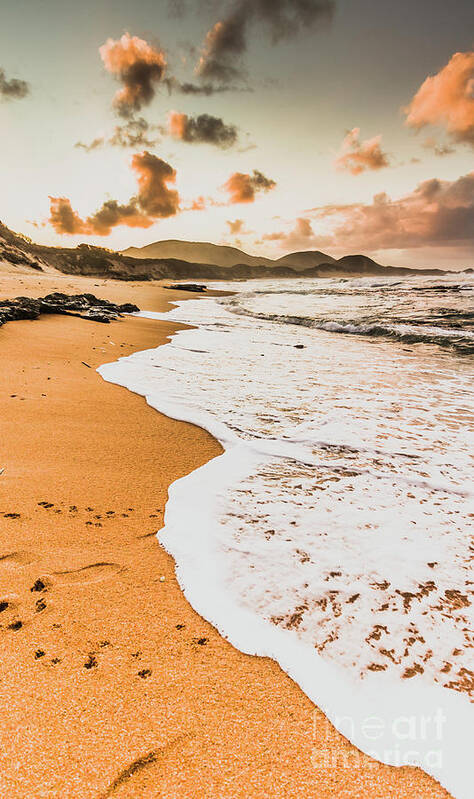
(182,260)
(220,255)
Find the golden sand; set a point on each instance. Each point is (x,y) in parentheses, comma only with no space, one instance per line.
(113,686)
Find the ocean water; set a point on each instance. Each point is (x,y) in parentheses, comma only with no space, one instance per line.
(335,532)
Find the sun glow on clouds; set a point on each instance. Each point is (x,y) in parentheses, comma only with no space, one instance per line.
(154,200)
(447,100)
(138,66)
(205,168)
(356,156)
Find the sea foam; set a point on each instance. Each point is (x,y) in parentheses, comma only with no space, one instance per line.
(331,535)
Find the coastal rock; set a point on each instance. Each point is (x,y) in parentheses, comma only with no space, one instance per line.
(188,287)
(86,306)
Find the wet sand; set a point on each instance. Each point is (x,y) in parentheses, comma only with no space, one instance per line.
(111,685)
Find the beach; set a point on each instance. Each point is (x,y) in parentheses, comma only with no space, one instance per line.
(112,685)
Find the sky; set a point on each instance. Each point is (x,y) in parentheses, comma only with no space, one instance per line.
(345,126)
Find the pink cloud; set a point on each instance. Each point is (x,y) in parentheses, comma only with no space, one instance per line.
(138,66)
(437,213)
(447,99)
(242,188)
(356,156)
(154,200)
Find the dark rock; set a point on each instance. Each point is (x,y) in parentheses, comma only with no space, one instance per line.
(86,306)
(188,287)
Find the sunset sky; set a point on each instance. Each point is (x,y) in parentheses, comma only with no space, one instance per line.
(271,125)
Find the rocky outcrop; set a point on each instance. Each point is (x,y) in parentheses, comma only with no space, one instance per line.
(194,287)
(86,306)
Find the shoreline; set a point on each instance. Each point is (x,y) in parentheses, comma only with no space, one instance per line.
(206,715)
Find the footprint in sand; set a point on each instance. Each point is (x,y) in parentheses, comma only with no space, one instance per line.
(94,573)
(16,559)
(8,602)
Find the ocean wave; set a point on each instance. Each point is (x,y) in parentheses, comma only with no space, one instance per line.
(331,534)
(456,338)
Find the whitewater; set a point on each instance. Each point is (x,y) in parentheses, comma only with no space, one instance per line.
(333,534)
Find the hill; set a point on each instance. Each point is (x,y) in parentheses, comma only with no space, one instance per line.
(196,252)
(305,260)
(201,252)
(19,253)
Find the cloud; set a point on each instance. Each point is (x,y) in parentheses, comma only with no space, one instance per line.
(13,89)
(95,144)
(138,66)
(205,89)
(438,213)
(65,220)
(131,134)
(235,227)
(154,200)
(199,204)
(356,156)
(154,195)
(242,188)
(447,100)
(301,237)
(202,129)
(226,42)
(438,149)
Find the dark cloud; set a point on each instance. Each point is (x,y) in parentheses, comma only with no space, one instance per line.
(138,66)
(175,86)
(154,200)
(226,42)
(13,89)
(154,195)
(242,188)
(204,128)
(133,134)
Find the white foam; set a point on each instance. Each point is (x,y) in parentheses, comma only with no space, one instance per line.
(335,480)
